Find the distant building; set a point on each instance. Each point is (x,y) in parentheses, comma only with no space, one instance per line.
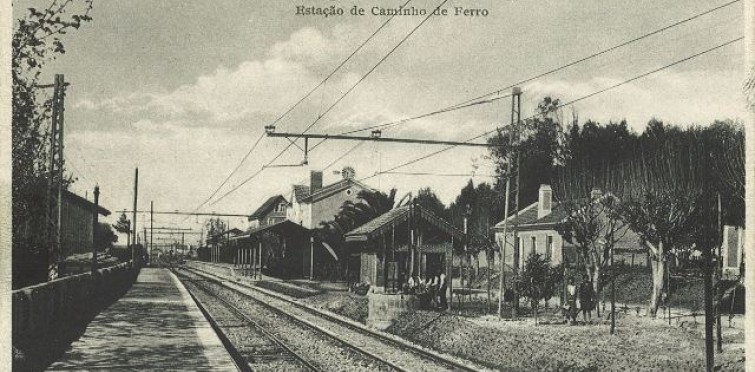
(537,233)
(406,241)
(77,215)
(30,266)
(273,210)
(314,203)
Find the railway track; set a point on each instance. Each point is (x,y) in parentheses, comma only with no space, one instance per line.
(252,347)
(385,352)
(293,341)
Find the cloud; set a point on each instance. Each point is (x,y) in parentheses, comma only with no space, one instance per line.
(253,90)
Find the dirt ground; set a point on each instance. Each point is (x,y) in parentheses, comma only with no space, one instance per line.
(639,344)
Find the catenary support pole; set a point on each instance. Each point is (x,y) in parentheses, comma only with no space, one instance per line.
(707,289)
(717,285)
(312,258)
(151,226)
(502,263)
(95,224)
(613,292)
(133,217)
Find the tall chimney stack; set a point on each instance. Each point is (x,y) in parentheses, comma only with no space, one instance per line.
(544,201)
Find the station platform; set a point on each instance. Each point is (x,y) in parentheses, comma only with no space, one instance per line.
(155,326)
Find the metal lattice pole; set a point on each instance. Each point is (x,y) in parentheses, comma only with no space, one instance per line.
(55,181)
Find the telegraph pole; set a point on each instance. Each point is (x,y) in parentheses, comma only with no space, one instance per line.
(95,223)
(151,226)
(55,180)
(511,171)
(516,112)
(719,268)
(133,218)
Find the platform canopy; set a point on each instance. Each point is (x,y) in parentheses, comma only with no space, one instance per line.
(384,222)
(285,228)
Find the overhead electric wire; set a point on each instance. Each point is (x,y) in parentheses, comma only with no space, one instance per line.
(401,121)
(439,174)
(232,172)
(480,99)
(338,67)
(360,143)
(578,61)
(254,175)
(677,62)
(298,103)
(395,47)
(604,51)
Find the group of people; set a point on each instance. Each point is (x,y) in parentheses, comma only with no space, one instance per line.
(582,293)
(431,291)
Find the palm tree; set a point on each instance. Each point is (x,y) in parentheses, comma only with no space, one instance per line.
(369,205)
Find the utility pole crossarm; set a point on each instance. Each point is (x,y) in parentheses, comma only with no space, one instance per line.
(375,137)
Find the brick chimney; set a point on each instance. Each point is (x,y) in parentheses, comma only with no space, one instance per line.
(544,201)
(315,181)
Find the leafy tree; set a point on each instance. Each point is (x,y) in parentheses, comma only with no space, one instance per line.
(725,141)
(539,280)
(36,40)
(105,237)
(215,228)
(662,196)
(123,226)
(594,226)
(369,205)
(427,198)
(539,143)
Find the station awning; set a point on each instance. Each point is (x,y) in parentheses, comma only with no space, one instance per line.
(384,222)
(284,228)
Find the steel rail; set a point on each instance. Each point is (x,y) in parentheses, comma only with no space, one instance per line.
(235,310)
(238,359)
(423,353)
(218,280)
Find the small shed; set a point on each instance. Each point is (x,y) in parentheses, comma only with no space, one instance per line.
(404,242)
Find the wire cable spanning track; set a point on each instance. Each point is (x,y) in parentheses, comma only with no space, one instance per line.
(398,355)
(590,95)
(333,105)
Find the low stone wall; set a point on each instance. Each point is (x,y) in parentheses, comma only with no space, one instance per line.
(53,311)
(383,308)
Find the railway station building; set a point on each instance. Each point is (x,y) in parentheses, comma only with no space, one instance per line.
(404,242)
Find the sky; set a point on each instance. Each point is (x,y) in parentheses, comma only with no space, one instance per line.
(182,90)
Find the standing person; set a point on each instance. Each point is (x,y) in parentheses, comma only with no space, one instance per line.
(433,290)
(571,302)
(585,299)
(442,291)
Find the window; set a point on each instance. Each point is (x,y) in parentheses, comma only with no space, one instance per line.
(349,192)
(281,207)
(549,248)
(534,244)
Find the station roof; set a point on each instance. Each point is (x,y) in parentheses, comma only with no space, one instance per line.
(267,206)
(285,228)
(385,221)
(78,200)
